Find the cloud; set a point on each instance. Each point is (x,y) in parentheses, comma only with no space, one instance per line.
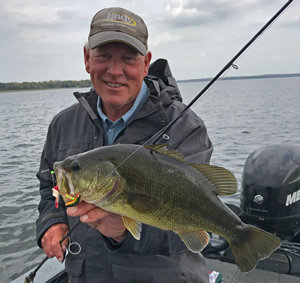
(43,40)
(164,38)
(180,14)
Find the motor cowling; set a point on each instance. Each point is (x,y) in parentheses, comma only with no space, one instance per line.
(270,189)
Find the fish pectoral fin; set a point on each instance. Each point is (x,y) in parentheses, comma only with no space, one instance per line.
(223,180)
(134,227)
(141,203)
(195,241)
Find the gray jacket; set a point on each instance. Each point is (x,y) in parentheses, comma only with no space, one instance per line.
(159,256)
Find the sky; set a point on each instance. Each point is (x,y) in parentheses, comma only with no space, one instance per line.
(43,40)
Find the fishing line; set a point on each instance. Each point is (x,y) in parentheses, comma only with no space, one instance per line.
(31,276)
(72,255)
(162,133)
(222,73)
(228,65)
(158,136)
(234,65)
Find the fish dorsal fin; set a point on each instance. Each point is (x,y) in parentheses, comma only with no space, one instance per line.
(162,149)
(195,241)
(223,180)
(134,227)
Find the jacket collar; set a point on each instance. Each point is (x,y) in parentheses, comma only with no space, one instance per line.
(152,116)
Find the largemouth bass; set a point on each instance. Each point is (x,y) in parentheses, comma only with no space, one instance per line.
(155,186)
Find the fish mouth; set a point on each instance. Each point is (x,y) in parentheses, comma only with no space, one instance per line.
(64,180)
(66,186)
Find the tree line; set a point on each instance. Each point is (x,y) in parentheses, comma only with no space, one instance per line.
(44,85)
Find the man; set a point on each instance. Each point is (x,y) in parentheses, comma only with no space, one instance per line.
(125,105)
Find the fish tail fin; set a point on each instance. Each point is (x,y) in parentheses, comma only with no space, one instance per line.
(253,245)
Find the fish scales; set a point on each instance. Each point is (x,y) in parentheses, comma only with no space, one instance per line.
(157,187)
(161,171)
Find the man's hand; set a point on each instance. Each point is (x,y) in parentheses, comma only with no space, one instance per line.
(50,241)
(109,224)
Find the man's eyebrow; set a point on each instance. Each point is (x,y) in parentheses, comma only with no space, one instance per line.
(132,51)
(99,48)
(129,51)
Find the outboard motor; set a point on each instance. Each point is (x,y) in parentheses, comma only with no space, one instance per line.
(270,192)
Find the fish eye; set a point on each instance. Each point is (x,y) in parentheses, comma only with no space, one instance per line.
(75,166)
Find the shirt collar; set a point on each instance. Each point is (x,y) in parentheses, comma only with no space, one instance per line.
(138,103)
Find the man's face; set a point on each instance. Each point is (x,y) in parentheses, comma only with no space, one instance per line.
(117,72)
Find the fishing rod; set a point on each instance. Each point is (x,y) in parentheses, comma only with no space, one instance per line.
(30,277)
(160,133)
(226,67)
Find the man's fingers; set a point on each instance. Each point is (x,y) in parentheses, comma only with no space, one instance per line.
(93,215)
(65,243)
(51,239)
(109,224)
(80,209)
(88,212)
(47,248)
(57,249)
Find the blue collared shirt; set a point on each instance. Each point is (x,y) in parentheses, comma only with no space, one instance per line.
(112,129)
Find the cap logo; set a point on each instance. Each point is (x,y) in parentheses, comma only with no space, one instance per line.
(120,18)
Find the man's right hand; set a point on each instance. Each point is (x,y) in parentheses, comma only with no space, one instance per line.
(50,241)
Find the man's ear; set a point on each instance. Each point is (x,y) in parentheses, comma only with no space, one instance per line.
(147,59)
(87,56)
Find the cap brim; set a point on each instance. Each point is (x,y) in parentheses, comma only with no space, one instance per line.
(111,36)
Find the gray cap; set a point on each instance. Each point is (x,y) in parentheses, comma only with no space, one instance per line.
(118,24)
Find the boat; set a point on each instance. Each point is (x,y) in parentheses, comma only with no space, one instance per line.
(52,271)
(270,200)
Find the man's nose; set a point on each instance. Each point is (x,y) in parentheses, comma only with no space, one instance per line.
(115,68)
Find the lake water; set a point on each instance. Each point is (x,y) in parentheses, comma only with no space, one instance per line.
(241,115)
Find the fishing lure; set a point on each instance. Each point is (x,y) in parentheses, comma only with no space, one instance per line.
(55,193)
(74,200)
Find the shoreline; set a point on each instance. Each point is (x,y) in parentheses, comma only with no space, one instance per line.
(34,89)
(270,76)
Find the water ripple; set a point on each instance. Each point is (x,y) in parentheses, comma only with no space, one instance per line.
(240,115)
